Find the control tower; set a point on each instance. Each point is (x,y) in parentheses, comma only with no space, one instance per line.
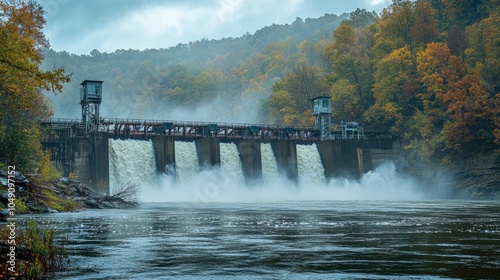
(322,110)
(90,99)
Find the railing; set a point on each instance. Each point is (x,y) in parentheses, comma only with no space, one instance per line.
(124,127)
(148,122)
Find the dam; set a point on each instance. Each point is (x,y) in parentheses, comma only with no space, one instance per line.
(105,152)
(181,150)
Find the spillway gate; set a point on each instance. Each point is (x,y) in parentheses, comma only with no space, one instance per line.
(88,155)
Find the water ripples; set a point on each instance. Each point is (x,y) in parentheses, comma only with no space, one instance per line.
(284,240)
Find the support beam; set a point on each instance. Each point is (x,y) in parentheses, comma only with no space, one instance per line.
(251,160)
(91,160)
(208,150)
(99,160)
(344,158)
(164,149)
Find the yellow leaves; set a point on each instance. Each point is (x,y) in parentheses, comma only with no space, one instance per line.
(21,82)
(282,107)
(390,108)
(497,136)
(344,40)
(455,92)
(345,104)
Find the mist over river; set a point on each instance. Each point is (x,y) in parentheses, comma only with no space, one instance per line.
(284,240)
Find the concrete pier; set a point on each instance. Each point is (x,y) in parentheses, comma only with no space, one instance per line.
(99,160)
(208,150)
(385,150)
(285,152)
(91,160)
(164,148)
(251,160)
(344,158)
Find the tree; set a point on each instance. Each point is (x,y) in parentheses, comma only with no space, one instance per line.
(345,103)
(21,82)
(289,102)
(484,50)
(303,83)
(425,27)
(465,13)
(283,108)
(394,28)
(395,90)
(349,57)
(406,23)
(457,99)
(360,18)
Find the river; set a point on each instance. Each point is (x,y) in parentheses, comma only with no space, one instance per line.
(363,239)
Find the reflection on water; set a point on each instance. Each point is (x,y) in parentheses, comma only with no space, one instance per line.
(298,240)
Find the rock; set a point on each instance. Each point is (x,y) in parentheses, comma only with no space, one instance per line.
(63,188)
(50,210)
(64,180)
(4,212)
(19,179)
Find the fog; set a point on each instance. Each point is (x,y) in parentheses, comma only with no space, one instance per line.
(132,161)
(384,183)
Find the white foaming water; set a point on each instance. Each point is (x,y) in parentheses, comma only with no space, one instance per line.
(134,161)
(186,161)
(309,165)
(230,163)
(130,161)
(269,165)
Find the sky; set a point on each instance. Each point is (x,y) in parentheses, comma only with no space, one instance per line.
(80,26)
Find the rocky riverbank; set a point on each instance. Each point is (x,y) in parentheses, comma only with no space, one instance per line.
(61,196)
(475,178)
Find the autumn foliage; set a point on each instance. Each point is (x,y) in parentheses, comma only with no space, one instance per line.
(397,72)
(21,82)
(426,70)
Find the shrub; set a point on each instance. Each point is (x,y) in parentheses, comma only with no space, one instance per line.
(38,256)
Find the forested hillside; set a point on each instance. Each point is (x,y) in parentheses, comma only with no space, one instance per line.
(427,70)
(212,80)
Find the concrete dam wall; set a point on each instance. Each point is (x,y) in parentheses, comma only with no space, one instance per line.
(89,157)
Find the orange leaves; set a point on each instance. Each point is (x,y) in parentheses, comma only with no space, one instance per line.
(20,55)
(432,67)
(21,81)
(425,28)
(458,91)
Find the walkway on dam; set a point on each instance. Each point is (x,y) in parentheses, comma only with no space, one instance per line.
(144,129)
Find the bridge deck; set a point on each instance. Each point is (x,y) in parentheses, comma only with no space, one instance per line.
(145,128)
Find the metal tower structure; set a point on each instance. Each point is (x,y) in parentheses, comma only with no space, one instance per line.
(352,130)
(90,99)
(322,110)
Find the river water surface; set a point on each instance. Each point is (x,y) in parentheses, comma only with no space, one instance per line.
(284,240)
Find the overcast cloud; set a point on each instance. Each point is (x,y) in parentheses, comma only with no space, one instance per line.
(80,26)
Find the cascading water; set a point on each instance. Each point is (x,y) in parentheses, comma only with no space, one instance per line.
(133,161)
(309,165)
(231,163)
(186,161)
(130,161)
(269,165)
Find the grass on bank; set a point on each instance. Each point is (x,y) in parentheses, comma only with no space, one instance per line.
(60,204)
(37,254)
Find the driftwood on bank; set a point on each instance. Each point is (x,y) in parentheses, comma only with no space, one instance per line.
(84,197)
